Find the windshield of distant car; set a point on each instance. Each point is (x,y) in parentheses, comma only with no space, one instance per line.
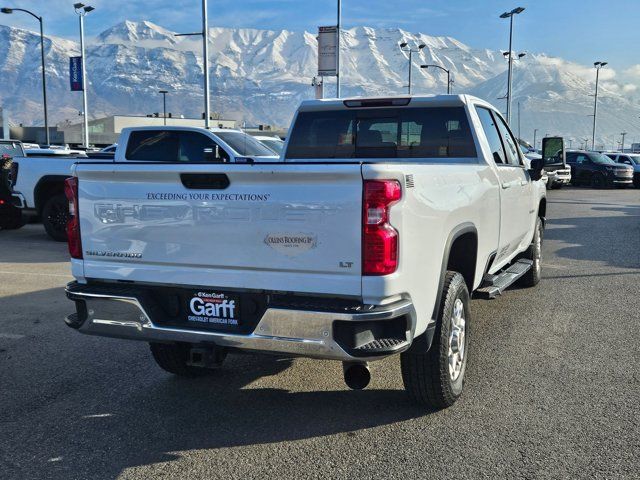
(274,144)
(11,149)
(601,159)
(635,159)
(244,144)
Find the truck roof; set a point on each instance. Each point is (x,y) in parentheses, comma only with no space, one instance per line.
(390,101)
(183,128)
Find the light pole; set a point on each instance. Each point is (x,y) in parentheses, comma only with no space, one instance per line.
(598,66)
(44,79)
(81,9)
(444,70)
(205,60)
(338,27)
(535,133)
(510,16)
(624,134)
(164,104)
(403,47)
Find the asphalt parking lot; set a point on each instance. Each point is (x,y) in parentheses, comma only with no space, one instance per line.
(553,384)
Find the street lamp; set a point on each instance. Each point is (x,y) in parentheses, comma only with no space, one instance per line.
(81,10)
(510,16)
(205,60)
(624,134)
(444,70)
(338,27)
(403,47)
(535,134)
(9,11)
(164,104)
(598,66)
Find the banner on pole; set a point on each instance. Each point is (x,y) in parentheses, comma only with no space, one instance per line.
(75,74)
(327,51)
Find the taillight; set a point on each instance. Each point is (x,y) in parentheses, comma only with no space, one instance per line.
(379,238)
(73,223)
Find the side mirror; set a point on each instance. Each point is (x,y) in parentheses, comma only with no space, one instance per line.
(537,165)
(553,151)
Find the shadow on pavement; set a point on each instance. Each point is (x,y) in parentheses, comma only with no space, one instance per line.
(610,239)
(96,406)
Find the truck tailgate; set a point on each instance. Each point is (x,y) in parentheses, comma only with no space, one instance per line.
(278,227)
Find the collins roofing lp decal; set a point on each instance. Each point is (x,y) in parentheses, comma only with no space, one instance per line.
(291,243)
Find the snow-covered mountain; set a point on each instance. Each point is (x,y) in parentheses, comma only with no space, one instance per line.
(261,75)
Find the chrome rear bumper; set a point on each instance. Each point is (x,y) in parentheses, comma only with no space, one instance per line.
(280,330)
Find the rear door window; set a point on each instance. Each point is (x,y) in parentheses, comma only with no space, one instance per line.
(389,133)
(153,145)
(493,136)
(171,146)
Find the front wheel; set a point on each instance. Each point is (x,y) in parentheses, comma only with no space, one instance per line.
(54,217)
(436,378)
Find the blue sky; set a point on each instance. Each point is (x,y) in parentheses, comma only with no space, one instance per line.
(577,30)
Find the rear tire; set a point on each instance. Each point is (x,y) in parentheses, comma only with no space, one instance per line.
(54,217)
(174,358)
(436,378)
(534,253)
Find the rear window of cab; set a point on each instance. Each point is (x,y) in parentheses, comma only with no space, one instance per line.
(389,133)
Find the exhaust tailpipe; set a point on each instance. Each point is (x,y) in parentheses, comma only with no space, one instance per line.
(356,375)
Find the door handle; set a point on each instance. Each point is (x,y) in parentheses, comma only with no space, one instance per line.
(523,182)
(506,185)
(204,181)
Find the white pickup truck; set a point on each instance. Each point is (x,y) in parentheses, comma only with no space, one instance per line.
(39,187)
(365,240)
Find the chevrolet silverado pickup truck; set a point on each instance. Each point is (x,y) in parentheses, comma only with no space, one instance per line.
(366,240)
(39,188)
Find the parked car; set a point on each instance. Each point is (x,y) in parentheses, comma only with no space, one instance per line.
(557,171)
(597,170)
(273,143)
(10,215)
(364,241)
(631,159)
(39,188)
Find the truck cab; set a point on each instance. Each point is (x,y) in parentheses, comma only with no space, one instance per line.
(191,145)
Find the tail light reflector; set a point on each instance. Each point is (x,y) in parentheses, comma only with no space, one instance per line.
(73,224)
(379,238)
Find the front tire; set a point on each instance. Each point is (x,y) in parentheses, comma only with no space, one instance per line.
(54,217)
(436,378)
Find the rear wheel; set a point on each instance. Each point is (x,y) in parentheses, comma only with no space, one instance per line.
(54,217)
(436,378)
(534,253)
(174,358)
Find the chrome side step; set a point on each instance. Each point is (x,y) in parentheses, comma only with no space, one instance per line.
(494,285)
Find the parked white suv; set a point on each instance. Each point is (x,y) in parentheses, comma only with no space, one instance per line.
(366,240)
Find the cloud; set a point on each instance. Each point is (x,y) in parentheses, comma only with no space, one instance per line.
(633,72)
